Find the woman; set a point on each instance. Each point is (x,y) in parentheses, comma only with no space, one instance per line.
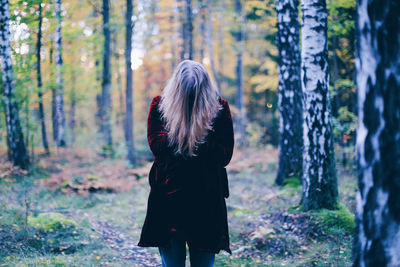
(190,133)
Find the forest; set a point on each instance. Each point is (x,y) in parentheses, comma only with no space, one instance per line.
(314,91)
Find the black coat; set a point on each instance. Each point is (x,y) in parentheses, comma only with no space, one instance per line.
(188,194)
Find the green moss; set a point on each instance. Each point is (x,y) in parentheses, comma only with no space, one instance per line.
(50,220)
(335,221)
(292,182)
(242,212)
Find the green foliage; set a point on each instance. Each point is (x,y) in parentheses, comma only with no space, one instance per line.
(292,182)
(50,220)
(335,221)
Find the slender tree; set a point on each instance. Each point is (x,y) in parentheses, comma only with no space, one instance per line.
(39,82)
(210,44)
(129,98)
(289,91)
(239,99)
(377,241)
(182,28)
(53,91)
(59,95)
(17,151)
(106,82)
(189,31)
(319,171)
(202,11)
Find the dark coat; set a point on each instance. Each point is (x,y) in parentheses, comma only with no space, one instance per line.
(188,193)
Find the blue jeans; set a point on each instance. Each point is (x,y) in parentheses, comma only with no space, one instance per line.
(175,256)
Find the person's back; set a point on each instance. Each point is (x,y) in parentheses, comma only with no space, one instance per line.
(190,133)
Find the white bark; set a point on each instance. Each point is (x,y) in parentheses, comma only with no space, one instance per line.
(319,174)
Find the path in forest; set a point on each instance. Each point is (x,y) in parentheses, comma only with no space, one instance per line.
(120,242)
(123,244)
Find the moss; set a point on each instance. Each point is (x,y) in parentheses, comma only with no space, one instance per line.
(335,221)
(50,220)
(241,212)
(292,182)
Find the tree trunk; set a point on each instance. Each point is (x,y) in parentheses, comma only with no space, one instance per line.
(241,118)
(129,94)
(16,147)
(289,92)
(377,234)
(189,31)
(60,116)
(202,11)
(172,19)
(39,82)
(319,171)
(211,45)
(106,83)
(72,109)
(182,29)
(221,51)
(53,91)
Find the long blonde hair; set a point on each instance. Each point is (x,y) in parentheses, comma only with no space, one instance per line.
(188,105)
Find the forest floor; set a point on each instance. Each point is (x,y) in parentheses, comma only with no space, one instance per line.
(75,208)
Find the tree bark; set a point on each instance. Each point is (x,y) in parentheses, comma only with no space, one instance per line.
(60,116)
(241,118)
(106,82)
(377,234)
(129,94)
(189,31)
(211,45)
(53,91)
(202,10)
(319,171)
(72,109)
(17,151)
(39,82)
(289,92)
(182,30)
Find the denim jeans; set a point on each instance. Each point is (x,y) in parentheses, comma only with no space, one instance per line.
(175,256)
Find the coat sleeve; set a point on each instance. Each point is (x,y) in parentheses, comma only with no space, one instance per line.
(220,141)
(156,133)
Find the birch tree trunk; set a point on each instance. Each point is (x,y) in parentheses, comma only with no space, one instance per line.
(189,31)
(239,100)
(377,235)
(211,45)
(319,172)
(39,82)
(289,92)
(106,82)
(129,98)
(202,10)
(17,151)
(59,95)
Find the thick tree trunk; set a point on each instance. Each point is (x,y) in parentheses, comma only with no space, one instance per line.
(211,45)
(120,112)
(189,31)
(290,93)
(319,171)
(239,100)
(16,147)
(39,82)
(129,94)
(60,116)
(106,82)
(377,235)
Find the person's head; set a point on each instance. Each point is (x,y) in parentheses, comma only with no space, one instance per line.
(189,103)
